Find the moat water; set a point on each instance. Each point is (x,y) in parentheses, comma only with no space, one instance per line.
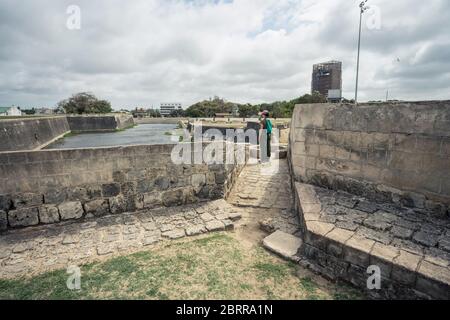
(141,134)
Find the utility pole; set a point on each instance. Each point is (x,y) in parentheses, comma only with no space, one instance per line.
(363,8)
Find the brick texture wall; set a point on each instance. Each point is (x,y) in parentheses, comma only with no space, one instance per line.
(388,152)
(49,186)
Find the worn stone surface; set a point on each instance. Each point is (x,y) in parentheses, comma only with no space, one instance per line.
(23,217)
(3,220)
(71,210)
(47,247)
(397,239)
(97,208)
(283,244)
(48,214)
(24,200)
(266,189)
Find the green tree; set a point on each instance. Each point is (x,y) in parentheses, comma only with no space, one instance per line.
(84,102)
(30,111)
(209,108)
(284,109)
(177,113)
(247,110)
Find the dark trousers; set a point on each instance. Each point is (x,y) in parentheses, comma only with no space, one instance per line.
(265,146)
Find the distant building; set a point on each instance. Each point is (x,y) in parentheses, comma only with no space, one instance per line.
(167,108)
(10,111)
(140,113)
(327,80)
(44,111)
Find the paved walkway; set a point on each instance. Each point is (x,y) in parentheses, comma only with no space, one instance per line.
(265,190)
(261,196)
(34,250)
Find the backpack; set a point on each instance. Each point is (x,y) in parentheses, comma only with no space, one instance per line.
(268,126)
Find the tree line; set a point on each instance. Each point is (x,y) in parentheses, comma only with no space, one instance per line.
(85,103)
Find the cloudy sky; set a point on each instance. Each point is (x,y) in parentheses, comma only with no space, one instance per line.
(144,52)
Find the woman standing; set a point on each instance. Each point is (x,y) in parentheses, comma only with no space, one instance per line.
(265,136)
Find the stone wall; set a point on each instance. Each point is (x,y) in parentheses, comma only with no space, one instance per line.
(386,152)
(90,123)
(37,133)
(49,186)
(31,133)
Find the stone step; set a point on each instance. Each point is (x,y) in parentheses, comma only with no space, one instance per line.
(283,244)
(33,250)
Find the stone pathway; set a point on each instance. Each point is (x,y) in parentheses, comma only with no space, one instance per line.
(262,197)
(34,250)
(265,190)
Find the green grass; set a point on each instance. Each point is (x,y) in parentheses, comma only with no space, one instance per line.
(215,266)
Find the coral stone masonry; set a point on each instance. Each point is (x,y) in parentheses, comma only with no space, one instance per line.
(371,189)
(49,186)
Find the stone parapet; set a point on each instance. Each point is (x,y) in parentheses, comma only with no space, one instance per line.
(387,152)
(50,186)
(344,235)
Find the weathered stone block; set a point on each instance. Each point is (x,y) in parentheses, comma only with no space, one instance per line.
(383,256)
(110,190)
(199,179)
(220,177)
(174,234)
(357,251)
(434,280)
(215,225)
(94,191)
(357,276)
(48,214)
(78,194)
(117,204)
(162,183)
(173,197)
(326,151)
(97,208)
(23,217)
(319,228)
(128,188)
(5,202)
(377,223)
(338,238)
(3,220)
(55,196)
(24,200)
(404,267)
(426,238)
(71,210)
(210,178)
(195,230)
(152,200)
(316,240)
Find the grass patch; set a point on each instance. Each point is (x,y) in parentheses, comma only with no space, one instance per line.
(214,266)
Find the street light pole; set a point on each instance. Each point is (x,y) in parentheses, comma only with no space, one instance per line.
(363,8)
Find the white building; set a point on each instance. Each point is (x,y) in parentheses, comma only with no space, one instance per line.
(10,111)
(44,111)
(167,108)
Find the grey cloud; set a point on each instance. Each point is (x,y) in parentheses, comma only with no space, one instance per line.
(146,52)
